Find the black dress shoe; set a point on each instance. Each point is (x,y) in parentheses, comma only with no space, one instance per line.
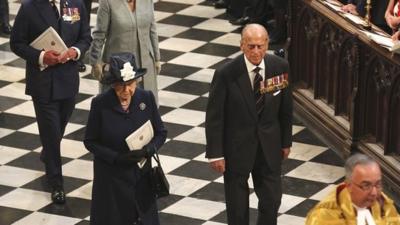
(58,196)
(241,21)
(81,66)
(6,29)
(220,4)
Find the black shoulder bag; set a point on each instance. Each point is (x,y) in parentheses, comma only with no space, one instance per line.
(158,179)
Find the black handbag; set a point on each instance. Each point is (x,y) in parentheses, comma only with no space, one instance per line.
(159,180)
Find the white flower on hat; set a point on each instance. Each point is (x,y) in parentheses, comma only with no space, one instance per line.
(127,72)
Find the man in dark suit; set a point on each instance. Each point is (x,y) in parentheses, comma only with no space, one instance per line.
(5,17)
(249,127)
(51,77)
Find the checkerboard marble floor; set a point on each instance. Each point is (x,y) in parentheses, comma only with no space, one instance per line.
(194,39)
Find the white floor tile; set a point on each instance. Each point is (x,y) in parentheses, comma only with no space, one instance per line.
(195,135)
(180,44)
(201,11)
(204,75)
(7,154)
(305,152)
(16,176)
(47,219)
(216,25)
(232,39)
(11,74)
(166,30)
(24,109)
(78,168)
(290,220)
(185,117)
(317,172)
(170,163)
(72,149)
(196,208)
(174,99)
(84,192)
(184,186)
(196,60)
(25,199)
(165,81)
(15,90)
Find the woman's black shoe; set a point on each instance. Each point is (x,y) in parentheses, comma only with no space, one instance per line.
(6,29)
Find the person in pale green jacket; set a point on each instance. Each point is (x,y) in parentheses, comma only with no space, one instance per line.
(127,26)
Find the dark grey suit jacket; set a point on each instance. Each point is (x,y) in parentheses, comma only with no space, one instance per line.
(233,129)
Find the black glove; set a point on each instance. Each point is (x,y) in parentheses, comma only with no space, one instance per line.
(130,158)
(150,150)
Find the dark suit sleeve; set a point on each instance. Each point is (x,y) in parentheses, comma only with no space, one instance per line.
(286,114)
(83,42)
(19,39)
(160,133)
(92,135)
(215,117)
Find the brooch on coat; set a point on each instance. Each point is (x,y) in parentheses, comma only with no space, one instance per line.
(274,83)
(142,106)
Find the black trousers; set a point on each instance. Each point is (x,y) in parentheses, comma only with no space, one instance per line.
(267,186)
(4,12)
(52,118)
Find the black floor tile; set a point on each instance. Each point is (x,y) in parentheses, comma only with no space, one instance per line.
(196,169)
(217,49)
(7,103)
(167,55)
(199,104)
(305,136)
(4,190)
(4,83)
(219,64)
(28,161)
(74,207)
(21,140)
(329,157)
(10,215)
(200,35)
(189,87)
(212,191)
(5,47)
(303,208)
(169,200)
(178,71)
(290,164)
(78,135)
(175,129)
(79,116)
(171,219)
(300,187)
(169,6)
(182,20)
(81,97)
(17,63)
(182,149)
(164,110)
(15,122)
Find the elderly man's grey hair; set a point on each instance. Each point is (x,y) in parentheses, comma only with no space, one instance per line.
(354,160)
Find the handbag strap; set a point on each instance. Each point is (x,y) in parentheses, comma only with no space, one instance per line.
(157,158)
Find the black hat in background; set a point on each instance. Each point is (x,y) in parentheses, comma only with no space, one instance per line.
(122,68)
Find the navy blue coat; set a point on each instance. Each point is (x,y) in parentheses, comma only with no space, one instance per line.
(35,16)
(119,192)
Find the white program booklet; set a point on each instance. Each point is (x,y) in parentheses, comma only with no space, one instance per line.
(49,40)
(139,138)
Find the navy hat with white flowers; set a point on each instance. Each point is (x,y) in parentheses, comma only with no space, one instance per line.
(122,68)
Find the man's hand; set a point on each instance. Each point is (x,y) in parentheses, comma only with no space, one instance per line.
(350,8)
(50,58)
(68,55)
(285,153)
(392,21)
(395,36)
(218,165)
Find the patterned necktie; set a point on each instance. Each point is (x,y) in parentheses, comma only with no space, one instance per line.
(259,98)
(53,5)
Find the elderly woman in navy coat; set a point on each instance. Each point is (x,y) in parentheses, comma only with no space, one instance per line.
(122,192)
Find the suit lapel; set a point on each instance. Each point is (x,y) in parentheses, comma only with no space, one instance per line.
(47,13)
(244,84)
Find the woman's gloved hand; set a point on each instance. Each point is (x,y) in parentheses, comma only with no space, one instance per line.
(131,157)
(158,67)
(150,150)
